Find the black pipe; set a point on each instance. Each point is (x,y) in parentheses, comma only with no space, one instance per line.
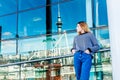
(48,18)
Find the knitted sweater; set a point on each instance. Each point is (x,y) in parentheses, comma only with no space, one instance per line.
(85,41)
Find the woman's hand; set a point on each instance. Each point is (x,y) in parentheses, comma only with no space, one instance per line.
(73,51)
(87,51)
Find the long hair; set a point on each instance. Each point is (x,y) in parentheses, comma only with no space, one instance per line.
(84,26)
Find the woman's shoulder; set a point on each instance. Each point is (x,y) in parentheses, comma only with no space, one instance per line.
(90,33)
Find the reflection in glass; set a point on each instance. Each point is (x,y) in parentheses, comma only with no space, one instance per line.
(8,47)
(103,38)
(28,4)
(32,23)
(100,13)
(8,26)
(35,50)
(69,17)
(7,7)
(10,72)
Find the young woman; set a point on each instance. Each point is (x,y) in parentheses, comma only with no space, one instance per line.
(84,46)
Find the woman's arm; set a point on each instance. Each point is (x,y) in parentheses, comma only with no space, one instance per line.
(74,46)
(95,47)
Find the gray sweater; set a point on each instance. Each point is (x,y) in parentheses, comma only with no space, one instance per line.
(86,41)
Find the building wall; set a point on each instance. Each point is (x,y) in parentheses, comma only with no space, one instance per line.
(24,47)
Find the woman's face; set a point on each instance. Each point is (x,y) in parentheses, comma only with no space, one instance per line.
(79,29)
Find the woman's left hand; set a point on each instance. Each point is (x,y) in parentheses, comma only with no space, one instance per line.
(87,51)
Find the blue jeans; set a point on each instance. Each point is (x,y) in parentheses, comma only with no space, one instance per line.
(82,65)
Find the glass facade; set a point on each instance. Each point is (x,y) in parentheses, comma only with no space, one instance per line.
(28,53)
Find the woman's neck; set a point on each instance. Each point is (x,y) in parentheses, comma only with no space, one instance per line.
(82,31)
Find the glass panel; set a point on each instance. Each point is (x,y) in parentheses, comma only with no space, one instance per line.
(29,4)
(32,22)
(62,44)
(8,52)
(103,37)
(7,7)
(102,60)
(68,16)
(31,49)
(8,26)
(36,48)
(10,73)
(61,69)
(8,59)
(51,69)
(103,66)
(100,13)
(8,47)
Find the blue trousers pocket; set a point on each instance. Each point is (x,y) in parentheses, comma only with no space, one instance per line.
(88,54)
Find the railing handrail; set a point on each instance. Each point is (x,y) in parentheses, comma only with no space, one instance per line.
(46,59)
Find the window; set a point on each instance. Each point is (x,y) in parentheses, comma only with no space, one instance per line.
(32,22)
(27,4)
(8,26)
(7,7)
(70,14)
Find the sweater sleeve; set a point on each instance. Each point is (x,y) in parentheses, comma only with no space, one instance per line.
(95,47)
(74,45)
